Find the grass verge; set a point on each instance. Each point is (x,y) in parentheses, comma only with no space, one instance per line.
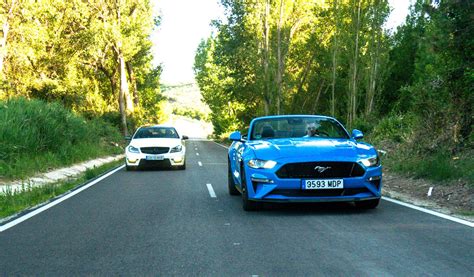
(438,167)
(36,136)
(11,203)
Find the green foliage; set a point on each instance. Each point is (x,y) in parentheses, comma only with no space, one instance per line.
(191,113)
(69,52)
(276,57)
(431,75)
(35,136)
(440,166)
(397,128)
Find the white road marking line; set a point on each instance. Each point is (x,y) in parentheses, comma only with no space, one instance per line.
(458,220)
(221,145)
(199,163)
(197,154)
(211,191)
(196,149)
(448,217)
(54,203)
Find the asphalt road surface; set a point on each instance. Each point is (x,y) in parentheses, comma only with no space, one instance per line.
(166,223)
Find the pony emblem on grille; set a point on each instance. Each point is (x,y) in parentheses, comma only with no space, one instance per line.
(321,169)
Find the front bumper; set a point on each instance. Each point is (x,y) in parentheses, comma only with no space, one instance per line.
(169,159)
(265,186)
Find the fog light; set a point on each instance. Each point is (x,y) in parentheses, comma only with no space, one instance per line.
(132,160)
(262,180)
(178,159)
(374,178)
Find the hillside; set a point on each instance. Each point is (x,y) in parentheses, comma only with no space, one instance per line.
(188,112)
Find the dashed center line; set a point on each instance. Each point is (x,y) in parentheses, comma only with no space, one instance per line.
(199,163)
(197,154)
(211,191)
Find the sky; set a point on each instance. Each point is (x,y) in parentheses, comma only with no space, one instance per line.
(184,23)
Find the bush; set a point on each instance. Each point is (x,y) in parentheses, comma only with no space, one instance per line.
(35,135)
(397,128)
(440,166)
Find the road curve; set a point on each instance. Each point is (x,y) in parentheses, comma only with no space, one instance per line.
(171,222)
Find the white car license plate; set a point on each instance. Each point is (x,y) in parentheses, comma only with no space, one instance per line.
(323,184)
(155,157)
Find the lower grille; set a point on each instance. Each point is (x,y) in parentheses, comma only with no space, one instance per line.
(321,192)
(155,150)
(312,170)
(163,163)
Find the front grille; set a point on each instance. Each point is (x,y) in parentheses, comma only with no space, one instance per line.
(307,170)
(147,164)
(319,192)
(155,150)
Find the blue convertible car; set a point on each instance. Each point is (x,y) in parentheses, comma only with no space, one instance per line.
(303,158)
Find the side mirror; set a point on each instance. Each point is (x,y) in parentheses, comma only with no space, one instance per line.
(357,134)
(235,136)
(185,137)
(128,138)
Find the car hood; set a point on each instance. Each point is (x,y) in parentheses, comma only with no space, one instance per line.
(151,142)
(311,149)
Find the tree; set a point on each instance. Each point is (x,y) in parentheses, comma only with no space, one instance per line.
(85,54)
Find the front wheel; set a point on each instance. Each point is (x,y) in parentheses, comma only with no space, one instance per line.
(182,167)
(247,204)
(367,204)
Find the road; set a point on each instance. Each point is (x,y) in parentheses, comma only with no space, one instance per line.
(165,223)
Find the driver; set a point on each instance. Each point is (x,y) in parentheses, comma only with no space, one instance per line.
(312,130)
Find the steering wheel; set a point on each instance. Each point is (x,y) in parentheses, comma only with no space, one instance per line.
(322,133)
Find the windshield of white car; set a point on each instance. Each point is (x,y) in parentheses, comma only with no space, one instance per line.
(156,132)
(298,127)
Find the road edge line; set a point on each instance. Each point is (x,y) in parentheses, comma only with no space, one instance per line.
(57,201)
(226,147)
(438,214)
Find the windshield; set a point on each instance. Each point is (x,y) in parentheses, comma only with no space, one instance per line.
(156,132)
(294,127)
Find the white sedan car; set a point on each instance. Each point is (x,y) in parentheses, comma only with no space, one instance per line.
(154,146)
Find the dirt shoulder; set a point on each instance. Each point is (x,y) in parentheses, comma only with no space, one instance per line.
(453,198)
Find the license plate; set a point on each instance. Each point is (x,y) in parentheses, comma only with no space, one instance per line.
(155,158)
(323,184)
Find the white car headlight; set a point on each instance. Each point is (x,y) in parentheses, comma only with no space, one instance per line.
(177,148)
(132,149)
(371,162)
(256,163)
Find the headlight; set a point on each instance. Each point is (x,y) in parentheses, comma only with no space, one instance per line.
(256,163)
(371,162)
(132,149)
(176,149)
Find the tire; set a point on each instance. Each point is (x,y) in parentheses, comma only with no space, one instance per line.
(247,205)
(367,204)
(182,167)
(230,181)
(129,168)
